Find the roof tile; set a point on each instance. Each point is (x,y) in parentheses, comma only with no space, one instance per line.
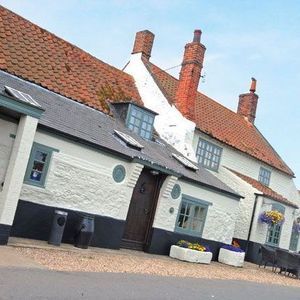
(221,123)
(37,55)
(268,192)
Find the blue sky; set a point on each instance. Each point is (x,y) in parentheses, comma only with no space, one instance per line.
(243,39)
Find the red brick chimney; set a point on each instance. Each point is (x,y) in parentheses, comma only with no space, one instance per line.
(143,43)
(189,76)
(248,103)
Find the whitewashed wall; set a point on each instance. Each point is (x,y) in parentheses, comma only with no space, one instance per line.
(170,124)
(245,164)
(80,178)
(6,143)
(259,230)
(246,206)
(221,216)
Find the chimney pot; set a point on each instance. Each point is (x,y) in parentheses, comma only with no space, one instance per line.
(248,103)
(197,36)
(253,85)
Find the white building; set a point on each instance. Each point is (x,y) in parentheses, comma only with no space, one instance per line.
(225,142)
(62,146)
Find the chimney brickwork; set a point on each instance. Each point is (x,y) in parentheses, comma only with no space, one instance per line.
(143,43)
(248,103)
(189,76)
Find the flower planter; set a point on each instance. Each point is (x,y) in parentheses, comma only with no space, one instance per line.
(231,258)
(190,255)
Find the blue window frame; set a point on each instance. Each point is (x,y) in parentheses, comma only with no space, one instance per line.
(191,216)
(38,165)
(294,240)
(274,230)
(208,154)
(264,176)
(140,121)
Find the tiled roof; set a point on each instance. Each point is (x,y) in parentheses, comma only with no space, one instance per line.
(268,192)
(39,56)
(96,129)
(221,123)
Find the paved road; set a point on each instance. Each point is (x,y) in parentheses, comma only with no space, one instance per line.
(34,283)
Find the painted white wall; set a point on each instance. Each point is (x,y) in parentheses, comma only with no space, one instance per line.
(246,206)
(6,144)
(170,124)
(221,216)
(245,164)
(259,230)
(80,178)
(16,168)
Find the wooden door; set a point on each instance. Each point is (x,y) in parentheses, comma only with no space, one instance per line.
(141,211)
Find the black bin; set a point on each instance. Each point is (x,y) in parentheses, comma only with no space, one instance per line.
(58,226)
(85,231)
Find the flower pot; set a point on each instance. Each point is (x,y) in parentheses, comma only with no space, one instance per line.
(231,258)
(190,255)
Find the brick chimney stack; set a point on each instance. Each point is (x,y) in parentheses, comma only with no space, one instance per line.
(189,76)
(248,103)
(143,43)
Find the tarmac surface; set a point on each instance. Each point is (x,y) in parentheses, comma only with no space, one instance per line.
(34,283)
(23,278)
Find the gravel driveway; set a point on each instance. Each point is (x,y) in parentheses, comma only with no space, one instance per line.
(127,261)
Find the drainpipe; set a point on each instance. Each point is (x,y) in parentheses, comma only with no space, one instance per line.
(251,223)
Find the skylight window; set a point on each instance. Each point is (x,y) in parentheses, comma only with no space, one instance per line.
(128,139)
(185,162)
(21,96)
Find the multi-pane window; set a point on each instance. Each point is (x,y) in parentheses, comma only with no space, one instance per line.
(38,165)
(294,240)
(140,121)
(264,176)
(273,234)
(208,154)
(274,230)
(191,216)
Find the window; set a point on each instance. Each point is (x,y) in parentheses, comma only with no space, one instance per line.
(191,216)
(294,240)
(38,165)
(264,176)
(140,121)
(208,155)
(274,230)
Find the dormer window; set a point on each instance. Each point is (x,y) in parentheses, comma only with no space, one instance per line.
(264,176)
(137,118)
(140,121)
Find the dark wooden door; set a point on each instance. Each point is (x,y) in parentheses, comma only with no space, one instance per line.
(141,211)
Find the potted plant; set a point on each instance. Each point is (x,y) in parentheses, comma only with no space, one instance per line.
(191,252)
(271,217)
(232,255)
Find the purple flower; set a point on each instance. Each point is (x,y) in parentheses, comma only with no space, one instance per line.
(232,248)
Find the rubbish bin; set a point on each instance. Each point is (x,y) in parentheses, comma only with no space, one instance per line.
(85,231)
(58,226)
